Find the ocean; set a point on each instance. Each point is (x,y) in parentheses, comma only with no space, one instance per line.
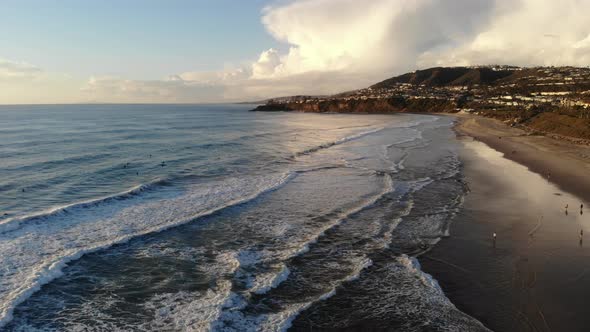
(210,217)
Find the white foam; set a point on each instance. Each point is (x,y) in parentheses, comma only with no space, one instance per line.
(260,282)
(263,282)
(196,311)
(283,321)
(189,311)
(414,266)
(40,250)
(247,257)
(406,292)
(340,141)
(235,320)
(266,281)
(12,223)
(359,135)
(388,188)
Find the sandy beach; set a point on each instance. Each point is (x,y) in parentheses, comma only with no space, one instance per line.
(565,164)
(535,277)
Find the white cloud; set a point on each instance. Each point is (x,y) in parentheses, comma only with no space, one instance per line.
(379,38)
(12,70)
(267,64)
(526,32)
(369,36)
(338,45)
(174,89)
(24,83)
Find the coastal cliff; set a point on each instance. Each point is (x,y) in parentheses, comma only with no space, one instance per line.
(385,105)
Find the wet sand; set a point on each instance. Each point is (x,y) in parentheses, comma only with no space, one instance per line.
(537,277)
(563,163)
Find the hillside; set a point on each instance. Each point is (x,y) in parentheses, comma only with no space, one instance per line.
(544,100)
(451,76)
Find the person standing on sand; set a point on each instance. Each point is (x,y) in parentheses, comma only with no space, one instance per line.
(494,239)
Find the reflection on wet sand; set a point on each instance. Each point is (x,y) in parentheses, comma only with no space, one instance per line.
(535,274)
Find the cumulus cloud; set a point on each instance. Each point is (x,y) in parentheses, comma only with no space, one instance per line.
(526,33)
(381,38)
(369,37)
(267,64)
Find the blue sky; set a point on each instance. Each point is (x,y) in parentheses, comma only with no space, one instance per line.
(138,39)
(181,51)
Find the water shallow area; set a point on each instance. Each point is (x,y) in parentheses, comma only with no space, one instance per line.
(251,224)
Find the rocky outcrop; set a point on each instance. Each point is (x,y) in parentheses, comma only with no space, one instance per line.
(388,105)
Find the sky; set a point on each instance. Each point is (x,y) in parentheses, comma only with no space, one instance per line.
(201,51)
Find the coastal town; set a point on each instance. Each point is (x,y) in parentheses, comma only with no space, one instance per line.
(551,100)
(529,87)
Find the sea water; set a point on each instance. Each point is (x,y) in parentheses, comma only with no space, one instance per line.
(210,217)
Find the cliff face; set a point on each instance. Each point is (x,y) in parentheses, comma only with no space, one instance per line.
(389,105)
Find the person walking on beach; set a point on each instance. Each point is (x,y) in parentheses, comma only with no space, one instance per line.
(494,239)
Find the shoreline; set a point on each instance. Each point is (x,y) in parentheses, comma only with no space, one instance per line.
(563,163)
(535,278)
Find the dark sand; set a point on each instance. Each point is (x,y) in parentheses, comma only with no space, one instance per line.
(537,278)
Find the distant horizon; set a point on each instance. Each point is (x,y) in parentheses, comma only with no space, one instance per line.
(183,52)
